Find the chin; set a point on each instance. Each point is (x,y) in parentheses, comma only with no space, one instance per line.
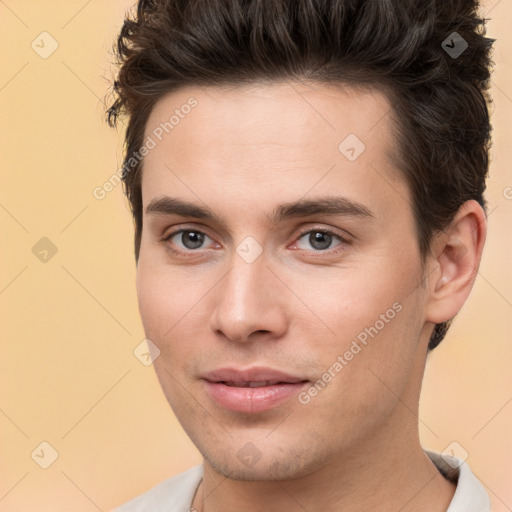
(285,466)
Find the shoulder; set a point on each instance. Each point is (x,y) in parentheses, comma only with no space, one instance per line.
(172,495)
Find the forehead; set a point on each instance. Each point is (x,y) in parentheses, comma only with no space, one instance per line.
(281,112)
(280,140)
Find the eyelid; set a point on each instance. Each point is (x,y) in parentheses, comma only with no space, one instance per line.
(331,231)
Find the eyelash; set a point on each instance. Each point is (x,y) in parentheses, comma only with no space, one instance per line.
(338,248)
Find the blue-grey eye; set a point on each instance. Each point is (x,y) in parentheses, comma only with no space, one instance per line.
(319,240)
(189,239)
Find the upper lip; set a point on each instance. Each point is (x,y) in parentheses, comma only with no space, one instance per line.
(255,374)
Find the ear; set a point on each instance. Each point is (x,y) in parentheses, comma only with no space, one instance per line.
(457,252)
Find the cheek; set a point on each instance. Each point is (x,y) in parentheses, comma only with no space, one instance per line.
(162,303)
(170,309)
(374,313)
(152,298)
(366,370)
(346,302)
(163,307)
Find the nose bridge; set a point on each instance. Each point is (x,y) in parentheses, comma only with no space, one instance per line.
(245,281)
(246,301)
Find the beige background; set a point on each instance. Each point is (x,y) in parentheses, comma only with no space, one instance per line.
(68,375)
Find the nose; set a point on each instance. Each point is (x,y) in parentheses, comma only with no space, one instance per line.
(249,303)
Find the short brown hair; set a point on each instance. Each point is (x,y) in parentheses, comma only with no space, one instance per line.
(439,97)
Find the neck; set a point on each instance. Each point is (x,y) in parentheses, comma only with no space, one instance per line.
(401,477)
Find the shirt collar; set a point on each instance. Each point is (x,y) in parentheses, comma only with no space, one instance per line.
(470,495)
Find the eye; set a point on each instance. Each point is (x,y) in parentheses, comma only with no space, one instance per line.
(183,241)
(319,240)
(190,239)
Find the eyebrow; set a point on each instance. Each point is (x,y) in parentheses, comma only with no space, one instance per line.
(329,205)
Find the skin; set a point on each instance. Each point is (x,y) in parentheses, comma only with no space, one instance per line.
(297,307)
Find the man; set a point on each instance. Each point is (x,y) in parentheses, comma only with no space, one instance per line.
(306,180)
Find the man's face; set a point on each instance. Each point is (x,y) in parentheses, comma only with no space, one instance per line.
(320,309)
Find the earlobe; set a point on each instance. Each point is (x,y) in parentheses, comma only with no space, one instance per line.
(459,251)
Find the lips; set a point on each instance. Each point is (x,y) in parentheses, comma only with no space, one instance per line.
(253,390)
(248,384)
(255,374)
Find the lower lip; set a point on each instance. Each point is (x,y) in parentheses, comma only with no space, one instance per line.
(252,400)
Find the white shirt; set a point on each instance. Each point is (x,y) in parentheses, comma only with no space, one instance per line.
(176,494)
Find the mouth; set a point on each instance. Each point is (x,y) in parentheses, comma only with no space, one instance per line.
(253,390)
(256,384)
